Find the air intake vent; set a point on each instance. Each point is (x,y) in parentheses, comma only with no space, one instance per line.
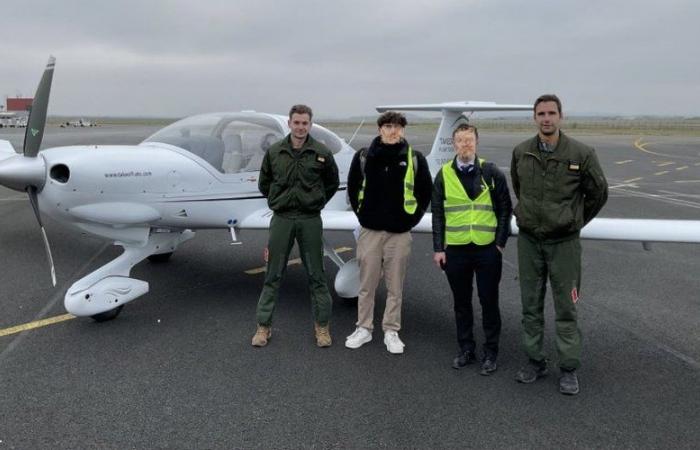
(60,173)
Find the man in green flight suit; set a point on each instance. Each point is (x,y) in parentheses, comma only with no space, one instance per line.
(560,187)
(298,176)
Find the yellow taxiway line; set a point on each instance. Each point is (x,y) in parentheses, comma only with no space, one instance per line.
(62,318)
(292,262)
(36,324)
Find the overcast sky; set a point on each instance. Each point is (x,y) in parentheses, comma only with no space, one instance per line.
(180,57)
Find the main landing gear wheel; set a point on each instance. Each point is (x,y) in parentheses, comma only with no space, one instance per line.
(107,315)
(160,257)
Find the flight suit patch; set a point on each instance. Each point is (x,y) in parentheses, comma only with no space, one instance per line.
(320,159)
(574,166)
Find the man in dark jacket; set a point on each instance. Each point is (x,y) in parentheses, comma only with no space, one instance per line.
(298,176)
(389,187)
(560,187)
(471,224)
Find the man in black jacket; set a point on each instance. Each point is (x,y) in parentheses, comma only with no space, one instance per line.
(471,224)
(389,187)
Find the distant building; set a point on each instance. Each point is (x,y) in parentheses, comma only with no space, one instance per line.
(19,105)
(16,112)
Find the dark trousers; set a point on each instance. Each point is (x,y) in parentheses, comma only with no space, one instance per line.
(308,234)
(463,261)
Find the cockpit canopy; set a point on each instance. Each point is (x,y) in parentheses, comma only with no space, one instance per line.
(234,142)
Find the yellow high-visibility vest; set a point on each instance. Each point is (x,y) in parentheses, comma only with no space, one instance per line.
(409,200)
(467,221)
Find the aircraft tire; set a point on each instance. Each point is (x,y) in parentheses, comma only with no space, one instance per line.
(160,257)
(108,315)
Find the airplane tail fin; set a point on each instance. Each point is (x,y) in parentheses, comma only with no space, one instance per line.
(453,114)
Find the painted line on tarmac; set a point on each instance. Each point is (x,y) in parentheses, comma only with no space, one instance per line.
(681,168)
(291,262)
(13,199)
(36,324)
(617,186)
(52,301)
(664,164)
(680,194)
(687,181)
(697,164)
(661,173)
(641,146)
(632,180)
(624,162)
(659,197)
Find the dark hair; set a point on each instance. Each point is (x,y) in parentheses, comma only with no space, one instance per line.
(465,127)
(392,117)
(547,98)
(301,109)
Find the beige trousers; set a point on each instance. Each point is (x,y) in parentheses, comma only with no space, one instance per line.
(377,252)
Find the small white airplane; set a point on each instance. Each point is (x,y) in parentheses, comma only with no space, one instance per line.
(201,173)
(80,123)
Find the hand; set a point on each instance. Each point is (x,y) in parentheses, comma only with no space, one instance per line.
(440,259)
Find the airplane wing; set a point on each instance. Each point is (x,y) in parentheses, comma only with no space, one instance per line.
(333,220)
(635,230)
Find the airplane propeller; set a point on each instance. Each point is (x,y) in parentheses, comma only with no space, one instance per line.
(27,172)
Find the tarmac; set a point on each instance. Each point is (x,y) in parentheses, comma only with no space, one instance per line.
(176,368)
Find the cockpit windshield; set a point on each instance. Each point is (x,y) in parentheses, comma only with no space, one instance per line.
(234,142)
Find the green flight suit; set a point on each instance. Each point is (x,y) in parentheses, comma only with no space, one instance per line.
(297,184)
(558,193)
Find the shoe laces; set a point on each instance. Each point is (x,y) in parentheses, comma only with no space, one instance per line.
(393,338)
(322,332)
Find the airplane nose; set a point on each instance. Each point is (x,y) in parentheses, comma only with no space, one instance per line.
(19,172)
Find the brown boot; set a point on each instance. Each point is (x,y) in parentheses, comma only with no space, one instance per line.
(323,335)
(262,334)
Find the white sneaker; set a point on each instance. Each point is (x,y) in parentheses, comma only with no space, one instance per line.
(360,337)
(393,342)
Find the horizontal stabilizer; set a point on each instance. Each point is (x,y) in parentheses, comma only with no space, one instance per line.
(453,114)
(470,106)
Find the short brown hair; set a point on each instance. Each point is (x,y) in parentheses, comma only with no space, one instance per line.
(465,127)
(301,109)
(547,98)
(392,117)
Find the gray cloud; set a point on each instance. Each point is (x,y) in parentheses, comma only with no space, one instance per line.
(180,57)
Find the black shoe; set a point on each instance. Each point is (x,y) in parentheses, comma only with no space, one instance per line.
(462,359)
(488,365)
(568,382)
(531,372)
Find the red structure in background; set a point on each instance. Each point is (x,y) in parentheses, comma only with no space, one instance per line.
(19,104)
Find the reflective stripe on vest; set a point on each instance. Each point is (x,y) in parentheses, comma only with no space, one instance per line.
(467,221)
(409,201)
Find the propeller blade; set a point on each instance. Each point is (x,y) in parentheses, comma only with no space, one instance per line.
(34,132)
(31,191)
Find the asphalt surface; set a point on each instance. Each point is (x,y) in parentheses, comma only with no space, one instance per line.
(176,368)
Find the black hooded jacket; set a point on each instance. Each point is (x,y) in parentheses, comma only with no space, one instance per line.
(385,167)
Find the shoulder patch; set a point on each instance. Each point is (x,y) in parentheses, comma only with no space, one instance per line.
(320,159)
